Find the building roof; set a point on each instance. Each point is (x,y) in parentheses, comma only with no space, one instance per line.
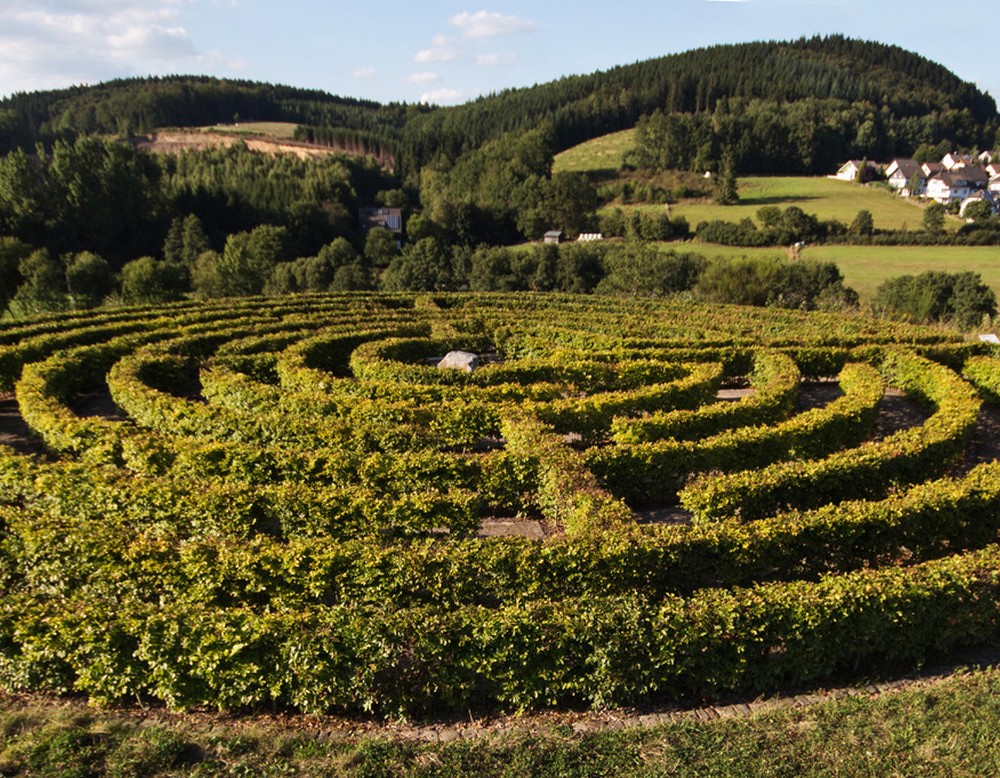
(390,218)
(908,167)
(956,159)
(971,175)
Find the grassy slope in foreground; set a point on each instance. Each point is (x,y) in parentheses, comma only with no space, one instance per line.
(945,727)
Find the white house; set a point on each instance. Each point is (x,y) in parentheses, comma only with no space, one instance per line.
(993,201)
(851,169)
(994,184)
(953,160)
(930,168)
(955,185)
(900,174)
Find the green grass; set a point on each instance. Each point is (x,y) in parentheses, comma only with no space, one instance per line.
(282,130)
(824,197)
(947,727)
(827,198)
(599,155)
(865,267)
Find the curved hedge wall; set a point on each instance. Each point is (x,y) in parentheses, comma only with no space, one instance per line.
(284,502)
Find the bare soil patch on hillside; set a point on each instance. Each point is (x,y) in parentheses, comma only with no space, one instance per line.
(176,141)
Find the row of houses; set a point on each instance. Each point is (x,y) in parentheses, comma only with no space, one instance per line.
(957,178)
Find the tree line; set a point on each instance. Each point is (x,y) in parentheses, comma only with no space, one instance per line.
(898,88)
(107,197)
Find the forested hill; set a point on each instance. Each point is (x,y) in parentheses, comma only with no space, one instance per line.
(139,105)
(836,68)
(893,81)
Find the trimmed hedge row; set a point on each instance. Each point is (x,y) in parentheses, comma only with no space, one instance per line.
(598,650)
(233,558)
(568,493)
(984,374)
(285,547)
(130,379)
(651,473)
(775,383)
(592,416)
(870,470)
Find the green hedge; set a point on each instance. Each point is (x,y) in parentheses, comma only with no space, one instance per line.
(598,650)
(775,383)
(652,473)
(871,470)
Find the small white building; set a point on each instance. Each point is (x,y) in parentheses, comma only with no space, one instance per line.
(852,170)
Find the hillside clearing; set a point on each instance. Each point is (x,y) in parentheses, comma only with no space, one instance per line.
(604,154)
(282,130)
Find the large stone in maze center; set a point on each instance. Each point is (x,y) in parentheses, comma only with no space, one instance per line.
(459,360)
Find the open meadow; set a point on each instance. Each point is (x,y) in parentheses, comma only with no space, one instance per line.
(866,267)
(825,198)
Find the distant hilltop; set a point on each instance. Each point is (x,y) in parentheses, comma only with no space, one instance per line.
(894,83)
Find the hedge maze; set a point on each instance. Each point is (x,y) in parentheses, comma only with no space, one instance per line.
(279,503)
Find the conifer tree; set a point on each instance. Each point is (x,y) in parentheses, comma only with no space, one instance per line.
(726,193)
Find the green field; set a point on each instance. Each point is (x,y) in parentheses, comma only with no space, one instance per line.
(283,130)
(826,198)
(598,155)
(865,267)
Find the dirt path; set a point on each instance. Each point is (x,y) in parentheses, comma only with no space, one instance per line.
(14,433)
(897,412)
(97,403)
(176,141)
(984,446)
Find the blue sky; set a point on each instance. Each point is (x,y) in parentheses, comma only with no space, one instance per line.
(444,52)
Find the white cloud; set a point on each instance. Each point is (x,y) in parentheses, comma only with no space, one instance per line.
(423,78)
(443,53)
(62,42)
(216,59)
(363,73)
(495,60)
(441,96)
(487,24)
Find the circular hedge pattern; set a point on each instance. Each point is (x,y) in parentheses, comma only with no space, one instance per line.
(281,502)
